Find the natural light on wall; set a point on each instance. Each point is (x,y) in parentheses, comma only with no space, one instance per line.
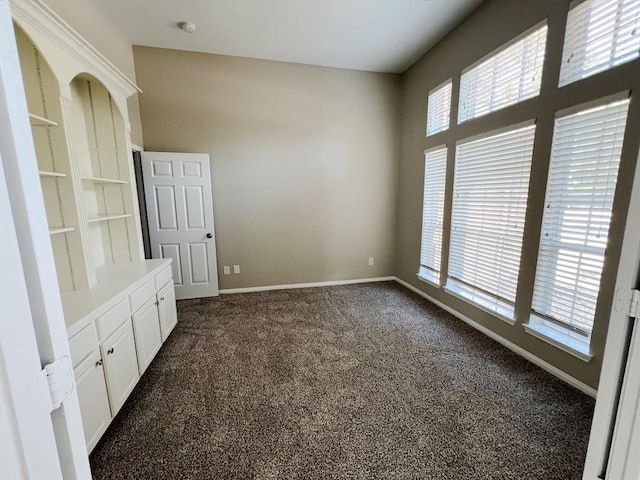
(438,109)
(435,170)
(600,35)
(491,185)
(575,229)
(509,76)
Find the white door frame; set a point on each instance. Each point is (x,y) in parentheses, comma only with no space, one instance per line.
(46,319)
(614,361)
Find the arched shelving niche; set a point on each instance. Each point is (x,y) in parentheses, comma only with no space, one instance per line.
(42,92)
(104,168)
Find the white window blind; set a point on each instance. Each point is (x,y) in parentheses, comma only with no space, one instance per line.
(509,76)
(439,109)
(435,169)
(575,227)
(600,35)
(490,199)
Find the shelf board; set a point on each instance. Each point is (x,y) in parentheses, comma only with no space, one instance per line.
(38,121)
(45,173)
(104,180)
(106,218)
(59,230)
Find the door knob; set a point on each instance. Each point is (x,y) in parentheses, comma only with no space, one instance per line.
(209,235)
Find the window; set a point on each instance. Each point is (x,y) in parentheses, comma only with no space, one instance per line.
(490,199)
(507,77)
(580,190)
(600,35)
(435,169)
(438,109)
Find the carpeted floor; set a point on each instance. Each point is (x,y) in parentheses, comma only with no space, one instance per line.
(363,381)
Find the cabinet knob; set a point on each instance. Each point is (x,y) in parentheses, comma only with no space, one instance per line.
(110,351)
(209,235)
(162,298)
(157,302)
(98,363)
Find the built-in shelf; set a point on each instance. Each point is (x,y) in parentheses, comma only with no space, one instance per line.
(104,180)
(44,173)
(38,121)
(106,218)
(59,230)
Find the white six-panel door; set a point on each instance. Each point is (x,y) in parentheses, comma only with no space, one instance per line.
(180,210)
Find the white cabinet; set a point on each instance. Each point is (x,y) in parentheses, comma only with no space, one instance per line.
(115,331)
(146,326)
(167,309)
(92,394)
(121,365)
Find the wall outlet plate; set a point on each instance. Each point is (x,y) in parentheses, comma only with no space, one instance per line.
(227,270)
(236,269)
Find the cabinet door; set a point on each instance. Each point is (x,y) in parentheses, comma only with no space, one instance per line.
(121,365)
(146,326)
(167,309)
(94,401)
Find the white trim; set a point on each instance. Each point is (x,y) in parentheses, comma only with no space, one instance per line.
(136,148)
(43,19)
(511,346)
(477,301)
(593,104)
(557,338)
(228,291)
(532,122)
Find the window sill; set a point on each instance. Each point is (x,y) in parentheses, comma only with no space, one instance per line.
(565,342)
(498,309)
(428,277)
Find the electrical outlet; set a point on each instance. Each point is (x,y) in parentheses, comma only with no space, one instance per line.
(370,261)
(236,269)
(227,270)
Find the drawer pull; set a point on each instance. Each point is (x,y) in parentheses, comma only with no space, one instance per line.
(110,351)
(98,363)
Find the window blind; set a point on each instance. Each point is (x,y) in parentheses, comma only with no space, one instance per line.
(600,35)
(439,109)
(509,76)
(435,169)
(581,185)
(490,199)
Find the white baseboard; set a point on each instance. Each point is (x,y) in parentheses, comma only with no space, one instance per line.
(511,346)
(292,286)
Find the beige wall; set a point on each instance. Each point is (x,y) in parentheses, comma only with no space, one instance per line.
(494,23)
(304,160)
(98,29)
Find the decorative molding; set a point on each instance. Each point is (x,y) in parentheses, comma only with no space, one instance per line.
(511,346)
(228,291)
(39,17)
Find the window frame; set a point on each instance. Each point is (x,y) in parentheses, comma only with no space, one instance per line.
(494,53)
(427,273)
(447,83)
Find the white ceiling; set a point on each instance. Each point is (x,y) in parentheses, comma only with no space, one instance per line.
(370,35)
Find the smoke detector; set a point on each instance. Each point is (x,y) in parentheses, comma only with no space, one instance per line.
(188,27)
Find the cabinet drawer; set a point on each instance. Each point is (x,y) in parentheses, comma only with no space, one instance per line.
(142,295)
(110,321)
(83,343)
(163,277)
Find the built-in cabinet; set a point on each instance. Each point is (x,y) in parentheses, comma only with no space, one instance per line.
(119,308)
(115,331)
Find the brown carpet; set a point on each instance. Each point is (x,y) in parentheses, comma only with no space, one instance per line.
(357,382)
